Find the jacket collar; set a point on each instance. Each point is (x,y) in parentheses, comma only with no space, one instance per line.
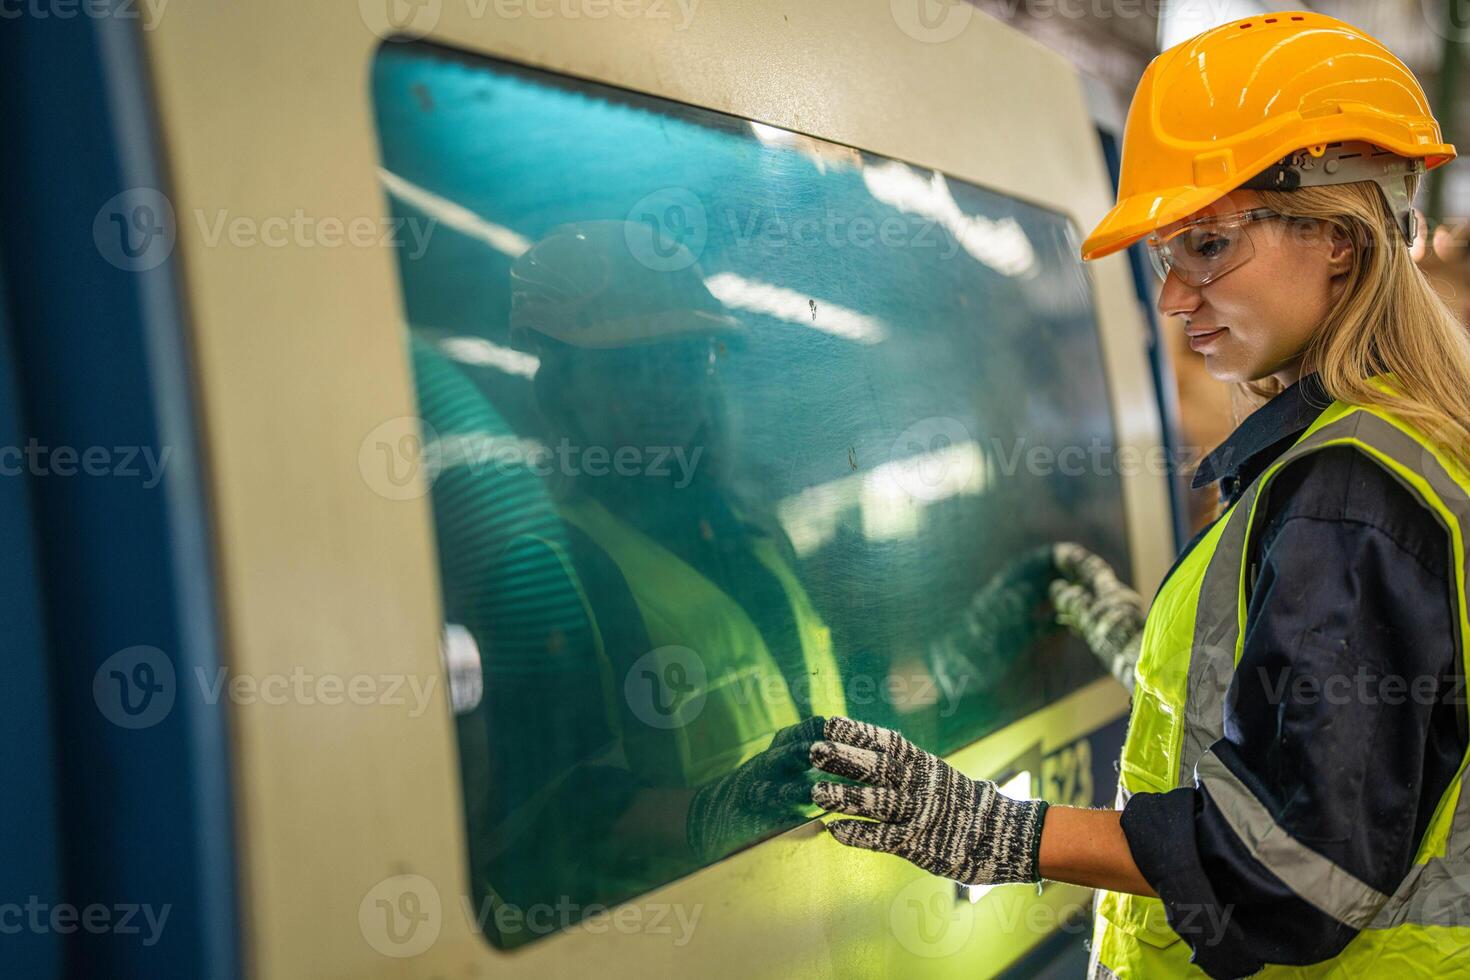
(1265,434)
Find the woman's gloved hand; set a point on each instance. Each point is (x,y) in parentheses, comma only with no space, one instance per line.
(923,810)
(1096,606)
(766,792)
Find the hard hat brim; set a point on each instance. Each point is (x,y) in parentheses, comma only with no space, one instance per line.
(1133,218)
(1139,215)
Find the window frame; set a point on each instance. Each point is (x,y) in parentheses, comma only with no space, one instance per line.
(317,570)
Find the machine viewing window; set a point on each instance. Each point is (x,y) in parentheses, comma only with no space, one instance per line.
(727,427)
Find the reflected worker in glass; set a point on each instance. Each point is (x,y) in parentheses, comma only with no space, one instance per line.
(711,643)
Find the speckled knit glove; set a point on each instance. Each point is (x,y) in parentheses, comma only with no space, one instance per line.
(1104,612)
(768,791)
(925,811)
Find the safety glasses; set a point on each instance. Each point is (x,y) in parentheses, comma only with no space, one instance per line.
(1203,250)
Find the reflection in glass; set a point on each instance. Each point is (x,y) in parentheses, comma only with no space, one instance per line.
(729,427)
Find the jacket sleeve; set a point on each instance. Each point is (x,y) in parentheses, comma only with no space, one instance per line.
(1341,730)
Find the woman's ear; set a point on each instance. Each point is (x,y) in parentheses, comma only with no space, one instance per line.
(1342,252)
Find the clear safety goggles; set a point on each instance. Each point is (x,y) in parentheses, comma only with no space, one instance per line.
(1203,250)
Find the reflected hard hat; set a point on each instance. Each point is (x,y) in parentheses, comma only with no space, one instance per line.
(1213,112)
(603,284)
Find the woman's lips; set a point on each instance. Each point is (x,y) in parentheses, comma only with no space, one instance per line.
(1201,339)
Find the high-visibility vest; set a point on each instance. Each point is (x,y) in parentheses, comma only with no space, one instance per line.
(1192,642)
(732,695)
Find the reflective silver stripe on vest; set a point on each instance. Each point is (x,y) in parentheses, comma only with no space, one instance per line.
(1313,878)
(1432,894)
(1217,617)
(1411,453)
(1216,630)
(1217,623)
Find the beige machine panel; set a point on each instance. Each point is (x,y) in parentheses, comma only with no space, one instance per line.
(266,114)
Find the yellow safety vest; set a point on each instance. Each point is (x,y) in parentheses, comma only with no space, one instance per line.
(1192,642)
(731,689)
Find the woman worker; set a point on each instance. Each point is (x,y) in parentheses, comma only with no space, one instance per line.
(1290,792)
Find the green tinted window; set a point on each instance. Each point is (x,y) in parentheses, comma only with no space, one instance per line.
(728,427)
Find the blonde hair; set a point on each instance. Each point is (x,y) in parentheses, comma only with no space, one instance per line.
(1387,319)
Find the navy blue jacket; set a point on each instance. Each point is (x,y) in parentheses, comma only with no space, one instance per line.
(1354,588)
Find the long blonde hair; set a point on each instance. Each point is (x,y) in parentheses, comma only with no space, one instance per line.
(1387,319)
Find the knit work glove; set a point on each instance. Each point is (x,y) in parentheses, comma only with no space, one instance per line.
(765,793)
(1094,605)
(923,810)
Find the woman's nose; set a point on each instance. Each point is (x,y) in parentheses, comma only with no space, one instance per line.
(1178,298)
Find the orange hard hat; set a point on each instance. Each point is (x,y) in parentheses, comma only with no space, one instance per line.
(1217,110)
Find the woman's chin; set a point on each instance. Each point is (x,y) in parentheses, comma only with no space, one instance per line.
(1222,370)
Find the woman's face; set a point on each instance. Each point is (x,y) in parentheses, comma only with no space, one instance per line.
(1255,320)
